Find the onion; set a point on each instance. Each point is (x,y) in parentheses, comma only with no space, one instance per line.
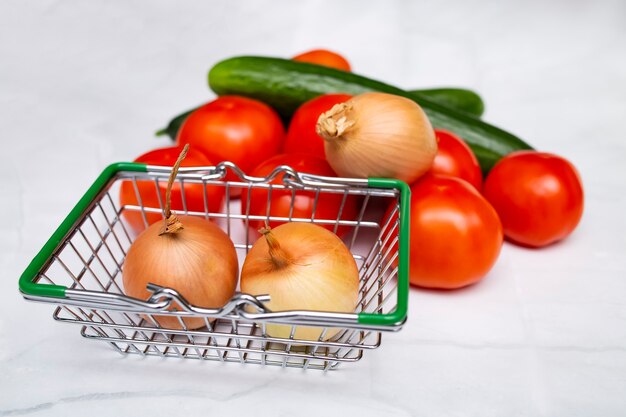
(301,266)
(189,254)
(378,135)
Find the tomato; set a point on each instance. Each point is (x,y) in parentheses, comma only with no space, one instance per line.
(194,194)
(539,197)
(237,129)
(301,135)
(455,234)
(324,57)
(326,208)
(455,158)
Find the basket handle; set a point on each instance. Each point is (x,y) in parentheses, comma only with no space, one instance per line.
(29,287)
(27,284)
(399,314)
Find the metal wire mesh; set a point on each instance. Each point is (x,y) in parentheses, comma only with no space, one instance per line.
(91,258)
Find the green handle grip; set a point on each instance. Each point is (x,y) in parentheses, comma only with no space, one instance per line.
(30,274)
(399,314)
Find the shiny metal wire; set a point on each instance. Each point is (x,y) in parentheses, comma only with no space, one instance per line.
(90,259)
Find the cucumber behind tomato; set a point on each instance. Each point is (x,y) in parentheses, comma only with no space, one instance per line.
(286,84)
(461,99)
(174,125)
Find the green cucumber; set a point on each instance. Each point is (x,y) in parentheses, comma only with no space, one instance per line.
(174,125)
(458,98)
(286,84)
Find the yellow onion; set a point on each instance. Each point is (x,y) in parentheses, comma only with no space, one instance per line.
(189,254)
(301,266)
(378,135)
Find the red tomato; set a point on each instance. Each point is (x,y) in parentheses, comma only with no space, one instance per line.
(455,234)
(301,135)
(539,197)
(456,159)
(328,205)
(324,57)
(194,194)
(236,129)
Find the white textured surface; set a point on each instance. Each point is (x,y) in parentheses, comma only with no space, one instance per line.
(83,84)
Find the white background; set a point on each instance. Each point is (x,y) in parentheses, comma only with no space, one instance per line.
(85,83)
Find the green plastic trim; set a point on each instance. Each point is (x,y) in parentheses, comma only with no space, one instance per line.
(398,315)
(26,284)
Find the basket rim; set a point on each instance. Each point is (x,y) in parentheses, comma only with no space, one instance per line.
(42,291)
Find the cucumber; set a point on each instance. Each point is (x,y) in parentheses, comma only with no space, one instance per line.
(458,98)
(174,125)
(286,84)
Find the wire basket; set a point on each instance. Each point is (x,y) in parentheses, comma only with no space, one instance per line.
(79,270)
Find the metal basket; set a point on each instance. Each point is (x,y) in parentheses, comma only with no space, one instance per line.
(79,270)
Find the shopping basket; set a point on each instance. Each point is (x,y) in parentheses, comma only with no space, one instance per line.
(79,270)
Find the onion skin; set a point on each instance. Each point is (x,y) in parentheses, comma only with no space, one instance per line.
(309,269)
(378,135)
(199,261)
